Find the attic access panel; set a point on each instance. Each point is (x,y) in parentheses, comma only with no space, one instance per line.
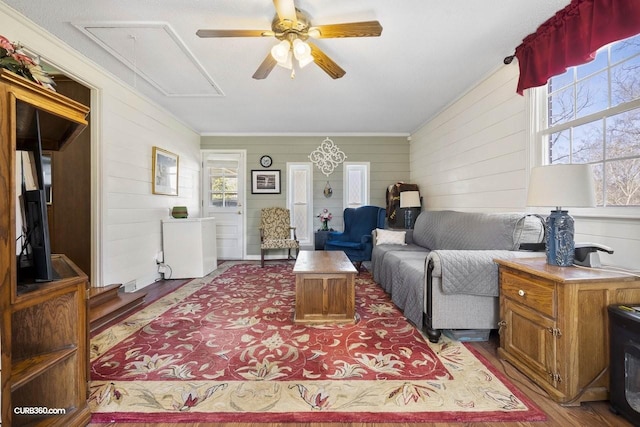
(153,51)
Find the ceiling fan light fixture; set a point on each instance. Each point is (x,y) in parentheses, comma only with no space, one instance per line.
(288,62)
(301,50)
(314,33)
(306,61)
(281,52)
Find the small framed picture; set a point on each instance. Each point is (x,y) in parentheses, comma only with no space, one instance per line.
(165,172)
(265,182)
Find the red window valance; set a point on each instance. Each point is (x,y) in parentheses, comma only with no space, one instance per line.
(572,36)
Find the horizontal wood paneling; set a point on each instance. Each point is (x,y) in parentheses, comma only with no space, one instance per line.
(135,129)
(125,127)
(473,156)
(388,157)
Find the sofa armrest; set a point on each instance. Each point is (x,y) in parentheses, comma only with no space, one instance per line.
(470,258)
(468,271)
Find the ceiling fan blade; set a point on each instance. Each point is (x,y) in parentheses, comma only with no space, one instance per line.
(286,10)
(326,63)
(234,33)
(350,29)
(265,68)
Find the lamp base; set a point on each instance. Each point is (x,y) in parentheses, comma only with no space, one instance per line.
(408,218)
(560,243)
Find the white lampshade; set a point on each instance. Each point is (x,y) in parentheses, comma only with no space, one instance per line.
(301,50)
(569,185)
(280,52)
(410,199)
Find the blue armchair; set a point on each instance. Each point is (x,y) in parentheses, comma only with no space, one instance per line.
(356,240)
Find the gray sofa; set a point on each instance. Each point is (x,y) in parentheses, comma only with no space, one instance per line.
(443,276)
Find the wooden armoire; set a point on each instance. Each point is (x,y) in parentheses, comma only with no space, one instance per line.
(44,332)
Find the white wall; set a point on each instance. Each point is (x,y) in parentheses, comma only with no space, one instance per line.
(125,126)
(474,156)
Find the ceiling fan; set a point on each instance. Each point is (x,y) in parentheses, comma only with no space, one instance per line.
(293,28)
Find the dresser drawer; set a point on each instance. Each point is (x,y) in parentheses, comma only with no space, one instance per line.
(538,296)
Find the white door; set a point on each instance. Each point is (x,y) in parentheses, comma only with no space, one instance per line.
(223,197)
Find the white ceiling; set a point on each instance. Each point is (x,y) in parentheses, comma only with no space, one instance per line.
(430,52)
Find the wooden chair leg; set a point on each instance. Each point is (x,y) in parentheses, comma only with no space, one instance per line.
(261,257)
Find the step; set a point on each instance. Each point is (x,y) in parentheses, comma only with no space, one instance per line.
(119,304)
(98,295)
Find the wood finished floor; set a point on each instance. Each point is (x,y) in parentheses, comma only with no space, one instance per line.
(596,414)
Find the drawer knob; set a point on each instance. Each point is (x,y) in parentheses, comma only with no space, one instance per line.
(521,293)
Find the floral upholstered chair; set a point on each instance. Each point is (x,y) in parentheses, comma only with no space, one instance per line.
(276,232)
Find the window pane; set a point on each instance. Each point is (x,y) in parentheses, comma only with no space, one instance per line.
(230,184)
(599,63)
(562,80)
(592,94)
(587,143)
(559,145)
(623,135)
(625,81)
(598,179)
(216,200)
(623,182)
(231,200)
(625,49)
(355,187)
(299,191)
(561,106)
(300,214)
(217,184)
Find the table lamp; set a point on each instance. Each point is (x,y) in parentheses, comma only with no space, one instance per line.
(568,185)
(409,200)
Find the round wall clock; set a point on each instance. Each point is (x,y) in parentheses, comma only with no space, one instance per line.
(265,161)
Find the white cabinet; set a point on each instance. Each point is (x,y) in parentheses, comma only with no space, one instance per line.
(189,246)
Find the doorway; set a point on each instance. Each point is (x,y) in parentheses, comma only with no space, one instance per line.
(223,197)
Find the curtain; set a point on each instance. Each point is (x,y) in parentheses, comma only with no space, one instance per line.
(572,36)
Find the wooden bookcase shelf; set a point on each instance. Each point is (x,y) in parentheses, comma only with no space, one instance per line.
(44,325)
(26,370)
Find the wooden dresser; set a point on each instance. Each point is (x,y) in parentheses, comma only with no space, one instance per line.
(554,325)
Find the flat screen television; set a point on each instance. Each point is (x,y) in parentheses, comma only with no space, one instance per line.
(34,261)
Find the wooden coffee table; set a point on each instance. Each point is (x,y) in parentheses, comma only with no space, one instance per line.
(325,287)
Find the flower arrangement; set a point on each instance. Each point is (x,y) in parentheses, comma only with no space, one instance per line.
(325,217)
(14,59)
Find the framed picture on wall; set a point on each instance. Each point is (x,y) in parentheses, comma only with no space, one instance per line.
(265,182)
(165,172)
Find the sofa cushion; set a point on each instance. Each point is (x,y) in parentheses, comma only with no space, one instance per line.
(468,230)
(389,237)
(379,253)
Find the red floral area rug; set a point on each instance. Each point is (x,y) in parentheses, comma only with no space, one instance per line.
(225,349)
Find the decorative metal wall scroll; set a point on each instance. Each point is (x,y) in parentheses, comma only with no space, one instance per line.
(327,156)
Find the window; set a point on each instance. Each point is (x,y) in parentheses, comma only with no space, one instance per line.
(300,200)
(356,184)
(222,182)
(591,114)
